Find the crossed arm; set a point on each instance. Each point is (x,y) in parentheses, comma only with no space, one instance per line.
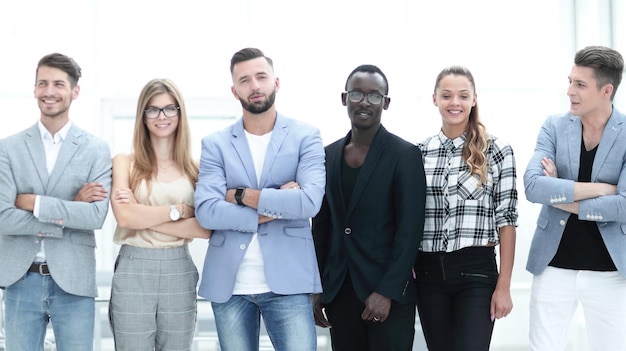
(131,214)
(582,190)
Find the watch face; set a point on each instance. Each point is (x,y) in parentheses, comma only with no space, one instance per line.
(174,214)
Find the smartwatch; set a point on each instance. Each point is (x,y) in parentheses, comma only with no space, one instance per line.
(239,194)
(174,214)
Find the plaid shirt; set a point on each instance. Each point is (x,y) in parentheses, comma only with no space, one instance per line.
(459,213)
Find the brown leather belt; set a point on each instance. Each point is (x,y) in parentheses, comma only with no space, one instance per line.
(41,268)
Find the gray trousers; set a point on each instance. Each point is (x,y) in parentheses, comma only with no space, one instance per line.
(153,299)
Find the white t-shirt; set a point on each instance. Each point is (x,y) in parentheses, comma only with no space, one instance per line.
(251,274)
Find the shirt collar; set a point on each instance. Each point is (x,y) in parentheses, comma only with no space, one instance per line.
(451,144)
(59,136)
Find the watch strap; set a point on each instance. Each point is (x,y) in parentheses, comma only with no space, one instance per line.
(239,194)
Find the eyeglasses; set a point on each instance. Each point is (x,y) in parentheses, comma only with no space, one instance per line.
(372,98)
(170,111)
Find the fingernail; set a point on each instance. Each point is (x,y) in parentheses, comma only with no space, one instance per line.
(493,318)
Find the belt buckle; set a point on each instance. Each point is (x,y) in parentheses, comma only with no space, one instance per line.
(41,269)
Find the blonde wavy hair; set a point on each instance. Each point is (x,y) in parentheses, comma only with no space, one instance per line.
(145,165)
(476,137)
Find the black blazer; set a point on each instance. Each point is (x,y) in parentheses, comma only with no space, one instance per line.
(377,236)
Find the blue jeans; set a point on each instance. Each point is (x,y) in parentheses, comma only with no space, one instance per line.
(34,301)
(288,320)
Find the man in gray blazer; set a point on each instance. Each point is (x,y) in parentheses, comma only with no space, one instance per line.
(260,181)
(578,174)
(55,179)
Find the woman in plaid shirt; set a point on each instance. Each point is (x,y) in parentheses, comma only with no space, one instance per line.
(471,206)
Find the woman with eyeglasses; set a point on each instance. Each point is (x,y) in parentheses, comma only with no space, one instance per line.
(153,293)
(471,207)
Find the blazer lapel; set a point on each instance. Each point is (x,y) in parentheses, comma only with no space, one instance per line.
(371,160)
(609,136)
(71,144)
(243,151)
(574,138)
(279,133)
(334,159)
(37,153)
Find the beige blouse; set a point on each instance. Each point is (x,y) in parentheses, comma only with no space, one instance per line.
(175,192)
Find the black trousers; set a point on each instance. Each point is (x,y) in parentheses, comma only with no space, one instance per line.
(351,333)
(454,296)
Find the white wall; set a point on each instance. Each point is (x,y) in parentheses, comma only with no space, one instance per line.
(520,53)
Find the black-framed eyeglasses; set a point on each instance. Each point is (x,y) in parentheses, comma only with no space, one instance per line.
(372,98)
(169,111)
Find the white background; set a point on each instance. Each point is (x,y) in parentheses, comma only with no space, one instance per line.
(520,53)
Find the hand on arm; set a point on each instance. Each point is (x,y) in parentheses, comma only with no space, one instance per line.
(91,192)
(582,190)
(128,212)
(25,202)
(251,198)
(187,228)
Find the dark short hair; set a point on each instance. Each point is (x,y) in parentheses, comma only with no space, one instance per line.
(246,55)
(64,63)
(607,65)
(368,69)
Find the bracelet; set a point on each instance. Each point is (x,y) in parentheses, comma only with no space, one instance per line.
(182,213)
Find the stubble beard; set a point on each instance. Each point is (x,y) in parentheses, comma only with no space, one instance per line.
(259,108)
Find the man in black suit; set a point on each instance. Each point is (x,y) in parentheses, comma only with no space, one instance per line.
(369,228)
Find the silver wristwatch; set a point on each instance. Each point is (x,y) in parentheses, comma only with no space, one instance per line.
(174,213)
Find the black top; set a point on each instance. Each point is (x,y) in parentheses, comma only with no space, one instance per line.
(581,246)
(348,179)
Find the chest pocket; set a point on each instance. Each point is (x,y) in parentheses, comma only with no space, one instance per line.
(468,187)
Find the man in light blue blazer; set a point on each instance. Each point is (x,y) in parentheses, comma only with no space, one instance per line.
(55,179)
(260,182)
(578,174)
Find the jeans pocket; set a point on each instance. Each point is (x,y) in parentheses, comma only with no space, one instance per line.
(474,275)
(480,277)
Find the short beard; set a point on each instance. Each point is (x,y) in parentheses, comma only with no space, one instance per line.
(263,107)
(58,113)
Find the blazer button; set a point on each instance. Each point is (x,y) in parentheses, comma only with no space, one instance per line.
(348,231)
(242,246)
(562,222)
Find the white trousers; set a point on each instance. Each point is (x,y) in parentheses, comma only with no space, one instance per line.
(555,296)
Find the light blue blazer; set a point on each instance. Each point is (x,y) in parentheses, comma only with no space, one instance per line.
(66,225)
(560,139)
(295,153)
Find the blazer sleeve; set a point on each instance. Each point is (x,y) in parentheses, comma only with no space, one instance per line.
(15,221)
(321,229)
(539,188)
(409,196)
(78,214)
(212,210)
(310,175)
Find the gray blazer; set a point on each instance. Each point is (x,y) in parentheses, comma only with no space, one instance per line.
(559,139)
(295,152)
(67,226)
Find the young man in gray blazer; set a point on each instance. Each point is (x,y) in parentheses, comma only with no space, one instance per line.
(260,181)
(578,174)
(55,179)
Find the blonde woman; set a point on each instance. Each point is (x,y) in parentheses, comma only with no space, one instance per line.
(471,207)
(153,293)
